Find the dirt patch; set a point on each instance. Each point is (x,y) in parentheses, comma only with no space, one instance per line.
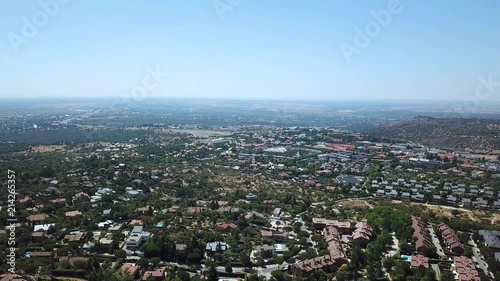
(356,203)
(439,210)
(195,133)
(495,219)
(46,148)
(62,278)
(474,215)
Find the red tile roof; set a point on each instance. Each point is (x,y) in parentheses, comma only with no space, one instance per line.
(419,261)
(465,269)
(420,232)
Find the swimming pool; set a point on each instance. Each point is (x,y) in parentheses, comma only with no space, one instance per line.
(406,258)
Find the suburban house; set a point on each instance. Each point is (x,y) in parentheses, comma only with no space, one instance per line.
(466,202)
(74,237)
(137,237)
(450,239)
(420,232)
(73,214)
(267,251)
(276,213)
(254,215)
(194,210)
(436,198)
(393,194)
(418,197)
(131,192)
(73,260)
(38,237)
(363,233)
(321,223)
(496,204)
(465,269)
(450,199)
(226,226)
(336,257)
(42,254)
(158,275)
(144,211)
(275,235)
(491,239)
(81,199)
(37,218)
(405,195)
(106,243)
(419,262)
(130,269)
(214,247)
(27,201)
(480,202)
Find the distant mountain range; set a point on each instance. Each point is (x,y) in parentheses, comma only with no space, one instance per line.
(443,132)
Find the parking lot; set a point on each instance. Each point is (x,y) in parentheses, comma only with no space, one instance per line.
(436,243)
(478,259)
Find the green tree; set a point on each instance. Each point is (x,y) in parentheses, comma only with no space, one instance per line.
(431,252)
(278,275)
(143,262)
(94,264)
(343,275)
(183,276)
(245,259)
(447,276)
(120,254)
(212,274)
(388,263)
(357,257)
(150,250)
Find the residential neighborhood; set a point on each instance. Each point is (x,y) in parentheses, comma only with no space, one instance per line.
(242,207)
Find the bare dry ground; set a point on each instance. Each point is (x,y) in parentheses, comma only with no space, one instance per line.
(495,219)
(195,133)
(47,148)
(356,203)
(474,215)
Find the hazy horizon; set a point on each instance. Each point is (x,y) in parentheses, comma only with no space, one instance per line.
(251,50)
(249,99)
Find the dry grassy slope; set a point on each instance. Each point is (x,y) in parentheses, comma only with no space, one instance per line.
(444,132)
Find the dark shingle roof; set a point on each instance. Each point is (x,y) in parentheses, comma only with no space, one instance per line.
(490,238)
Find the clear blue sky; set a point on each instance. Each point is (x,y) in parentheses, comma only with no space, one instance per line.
(283,49)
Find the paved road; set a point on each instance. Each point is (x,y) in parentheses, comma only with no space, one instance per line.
(270,268)
(479,259)
(436,269)
(395,246)
(436,242)
(261,271)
